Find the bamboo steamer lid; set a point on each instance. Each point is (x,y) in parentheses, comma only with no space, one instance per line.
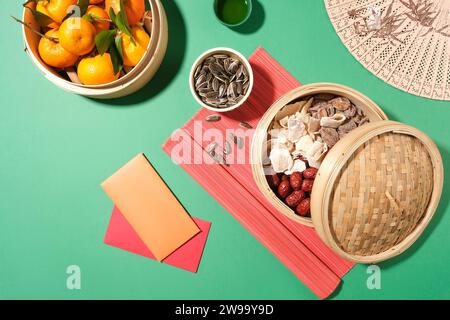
(376,191)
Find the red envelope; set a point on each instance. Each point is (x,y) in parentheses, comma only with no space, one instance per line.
(120,234)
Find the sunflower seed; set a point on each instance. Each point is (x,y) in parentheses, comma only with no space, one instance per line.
(239,88)
(227,149)
(213,118)
(233,137)
(212,95)
(204,90)
(216,68)
(220,56)
(223,79)
(211,148)
(219,159)
(203,85)
(215,84)
(221,90)
(240,142)
(244,124)
(233,67)
(230,92)
(197,71)
(226,63)
(240,71)
(209,77)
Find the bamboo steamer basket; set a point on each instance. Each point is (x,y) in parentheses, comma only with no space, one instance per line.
(376,189)
(129,83)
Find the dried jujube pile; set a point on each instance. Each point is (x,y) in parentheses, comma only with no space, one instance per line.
(300,136)
(294,189)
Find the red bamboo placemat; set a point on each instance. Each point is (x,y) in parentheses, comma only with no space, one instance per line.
(298,247)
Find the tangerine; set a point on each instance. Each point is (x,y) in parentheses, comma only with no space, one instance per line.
(77,35)
(53,54)
(56,9)
(96,70)
(101,22)
(133,52)
(134,9)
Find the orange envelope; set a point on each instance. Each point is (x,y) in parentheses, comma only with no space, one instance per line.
(150,207)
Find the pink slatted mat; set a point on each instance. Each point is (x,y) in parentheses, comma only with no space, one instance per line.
(298,247)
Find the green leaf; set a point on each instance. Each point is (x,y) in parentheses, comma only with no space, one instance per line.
(104,40)
(116,59)
(123,12)
(122,22)
(112,15)
(83,5)
(118,43)
(42,19)
(89,17)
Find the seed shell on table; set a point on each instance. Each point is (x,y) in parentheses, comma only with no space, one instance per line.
(211,147)
(213,118)
(244,124)
(227,149)
(240,142)
(219,159)
(234,138)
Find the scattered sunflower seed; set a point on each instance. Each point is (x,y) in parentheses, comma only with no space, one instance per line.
(244,124)
(240,142)
(234,138)
(213,118)
(227,149)
(221,81)
(219,159)
(211,148)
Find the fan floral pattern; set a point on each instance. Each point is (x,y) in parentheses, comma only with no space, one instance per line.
(406,43)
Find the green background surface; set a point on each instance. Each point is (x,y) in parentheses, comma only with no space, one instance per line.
(57,147)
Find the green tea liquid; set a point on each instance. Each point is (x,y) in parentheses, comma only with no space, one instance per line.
(232,11)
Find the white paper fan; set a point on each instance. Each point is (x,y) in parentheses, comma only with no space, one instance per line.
(406,43)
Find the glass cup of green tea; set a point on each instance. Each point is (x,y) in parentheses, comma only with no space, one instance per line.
(233,13)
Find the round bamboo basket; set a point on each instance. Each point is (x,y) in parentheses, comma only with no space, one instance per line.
(128,83)
(377,188)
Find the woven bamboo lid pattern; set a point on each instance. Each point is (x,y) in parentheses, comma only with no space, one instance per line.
(406,43)
(376,191)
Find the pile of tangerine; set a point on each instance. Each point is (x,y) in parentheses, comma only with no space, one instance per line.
(70,42)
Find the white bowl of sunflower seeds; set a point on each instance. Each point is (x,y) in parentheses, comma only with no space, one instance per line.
(221,79)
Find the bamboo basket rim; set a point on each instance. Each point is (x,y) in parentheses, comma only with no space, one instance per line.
(159,23)
(260,134)
(338,157)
